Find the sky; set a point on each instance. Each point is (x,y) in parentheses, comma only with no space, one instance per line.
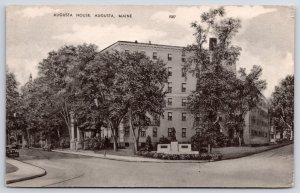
(266,36)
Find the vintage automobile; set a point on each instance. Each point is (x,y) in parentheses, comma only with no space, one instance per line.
(12,151)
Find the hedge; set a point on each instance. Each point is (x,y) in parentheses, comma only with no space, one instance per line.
(201,156)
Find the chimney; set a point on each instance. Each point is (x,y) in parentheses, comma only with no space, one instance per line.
(212,43)
(136,41)
(149,42)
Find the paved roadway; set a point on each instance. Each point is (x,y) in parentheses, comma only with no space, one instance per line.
(273,168)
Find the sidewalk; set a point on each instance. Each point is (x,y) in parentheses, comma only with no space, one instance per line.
(228,153)
(126,158)
(25,171)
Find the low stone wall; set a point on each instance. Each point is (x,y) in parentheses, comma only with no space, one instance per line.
(175,148)
(163,148)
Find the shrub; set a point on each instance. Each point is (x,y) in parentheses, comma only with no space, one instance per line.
(202,156)
(197,142)
(222,140)
(148,145)
(164,140)
(86,144)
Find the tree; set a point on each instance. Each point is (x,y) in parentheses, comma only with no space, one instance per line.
(125,85)
(218,90)
(49,98)
(101,86)
(282,106)
(59,85)
(12,104)
(145,80)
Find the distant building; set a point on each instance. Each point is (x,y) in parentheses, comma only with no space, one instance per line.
(257,125)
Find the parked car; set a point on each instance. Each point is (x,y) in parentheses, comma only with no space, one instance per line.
(12,151)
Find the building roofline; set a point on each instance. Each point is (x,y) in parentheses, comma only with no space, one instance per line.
(140,43)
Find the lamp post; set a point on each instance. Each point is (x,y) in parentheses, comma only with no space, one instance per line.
(72,141)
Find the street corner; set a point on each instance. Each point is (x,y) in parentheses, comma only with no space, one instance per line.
(20,171)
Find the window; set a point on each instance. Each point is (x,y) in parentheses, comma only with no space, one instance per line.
(170,132)
(169,101)
(183,87)
(169,71)
(126,131)
(184,102)
(154,131)
(183,133)
(212,43)
(184,116)
(253,120)
(170,116)
(197,131)
(169,87)
(143,133)
(154,55)
(197,117)
(169,57)
(183,57)
(197,74)
(183,72)
(126,51)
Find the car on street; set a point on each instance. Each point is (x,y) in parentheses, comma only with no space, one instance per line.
(12,151)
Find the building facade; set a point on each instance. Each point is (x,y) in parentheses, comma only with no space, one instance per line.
(176,115)
(257,125)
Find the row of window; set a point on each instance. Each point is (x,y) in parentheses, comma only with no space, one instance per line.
(183,132)
(170,116)
(183,72)
(183,87)
(255,133)
(154,133)
(183,116)
(183,102)
(142,134)
(259,122)
(155,57)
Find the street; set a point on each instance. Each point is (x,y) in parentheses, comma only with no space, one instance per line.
(272,168)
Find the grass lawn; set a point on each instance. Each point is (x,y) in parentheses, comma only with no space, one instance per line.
(235,152)
(120,152)
(10,168)
(31,154)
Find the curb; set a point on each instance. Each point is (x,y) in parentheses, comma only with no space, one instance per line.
(168,161)
(27,177)
(145,161)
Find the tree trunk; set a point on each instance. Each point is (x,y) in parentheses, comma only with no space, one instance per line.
(135,149)
(115,141)
(114,134)
(135,139)
(28,137)
(209,148)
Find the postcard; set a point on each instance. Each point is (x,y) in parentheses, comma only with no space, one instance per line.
(150,96)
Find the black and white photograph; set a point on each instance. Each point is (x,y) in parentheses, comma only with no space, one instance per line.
(150,96)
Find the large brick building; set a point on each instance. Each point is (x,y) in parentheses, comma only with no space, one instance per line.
(176,115)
